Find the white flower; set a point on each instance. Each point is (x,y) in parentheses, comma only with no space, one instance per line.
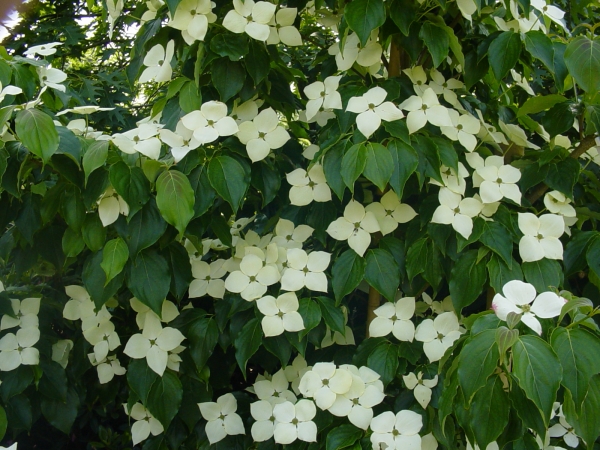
(288,236)
(456,211)
(263,133)
(262,411)
(517,299)
(389,212)
(52,77)
(541,235)
(310,151)
(17,349)
(168,311)
(295,371)
(104,339)
(425,108)
(145,423)
(252,280)
(274,390)
(182,141)
(26,311)
(354,226)
(323,95)
(517,135)
(397,432)
(422,388)
(192,18)
(446,88)
(43,49)
(142,140)
(110,205)
(114,8)
(305,269)
(395,318)
(154,343)
(281,314)
(158,63)
(368,56)
(9,90)
(61,350)
(12,447)
(210,122)
(564,430)
(80,305)
(418,77)
(108,368)
(207,279)
(324,382)
(245,111)
(372,109)
(282,30)
(250,18)
(453,181)
(295,422)
(556,15)
(522,81)
(464,129)
(221,417)
(438,335)
(85,110)
(557,203)
(497,180)
(308,186)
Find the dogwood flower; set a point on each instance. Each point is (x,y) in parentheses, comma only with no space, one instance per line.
(104,339)
(295,422)
(192,18)
(438,335)
(554,13)
(80,305)
(518,297)
(243,112)
(52,77)
(464,129)
(61,350)
(452,180)
(281,314)
(182,141)
(323,382)
(444,87)
(372,109)
(253,278)
(308,186)
(264,427)
(221,418)
(43,49)
(9,90)
(422,388)
(395,318)
(207,279)
(541,235)
(425,108)
(496,180)
(305,269)
(250,18)
(516,134)
(210,122)
(158,63)
(564,430)
(263,133)
(397,432)
(168,311)
(353,52)
(282,28)
(110,205)
(154,343)
(558,203)
(389,212)
(142,139)
(355,226)
(323,95)
(456,211)
(274,390)
(26,312)
(295,371)
(107,368)
(418,77)
(114,8)
(17,349)
(145,423)
(289,236)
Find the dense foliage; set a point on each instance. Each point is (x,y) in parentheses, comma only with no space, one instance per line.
(301,225)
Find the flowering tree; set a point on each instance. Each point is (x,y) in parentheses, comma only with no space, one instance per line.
(308,224)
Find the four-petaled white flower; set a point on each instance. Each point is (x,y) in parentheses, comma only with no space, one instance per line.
(182,141)
(541,235)
(323,95)
(425,108)
(110,205)
(368,56)
(295,371)
(52,77)
(305,269)
(9,90)
(222,420)
(397,432)
(422,388)
(395,318)
(389,212)
(565,430)
(192,18)
(108,368)
(145,423)
(295,422)
(43,49)
(250,18)
(495,179)
(554,13)
(518,297)
(262,412)
(288,236)
(26,312)
(274,390)
(207,279)
(282,28)
(253,278)
(464,129)
(456,211)
(281,314)
(142,139)
(355,226)
(438,335)
(17,349)
(372,109)
(263,133)
(558,203)
(454,181)
(308,186)
(158,63)
(446,88)
(210,122)
(104,338)
(324,382)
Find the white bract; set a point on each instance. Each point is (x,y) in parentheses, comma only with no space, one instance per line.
(422,388)
(110,205)
(26,312)
(324,382)
(222,420)
(182,141)
(142,139)
(274,390)
(438,335)
(207,279)
(308,186)
(541,235)
(454,181)
(295,422)
(354,226)
(104,338)
(444,87)
(464,129)
(52,77)
(17,349)
(368,56)
(262,134)
(295,371)
(192,18)
(61,350)
(372,109)
(43,49)
(9,90)
(288,236)
(558,203)
(253,278)
(397,432)
(250,18)
(425,108)
(145,423)
(395,318)
(565,430)
(282,28)
(554,13)
(495,179)
(456,211)
(281,314)
(158,63)
(518,297)
(210,122)
(264,427)
(389,212)
(323,95)
(305,269)
(168,311)
(108,368)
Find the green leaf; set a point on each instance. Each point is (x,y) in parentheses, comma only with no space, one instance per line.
(503,53)
(3,422)
(586,424)
(347,273)
(429,159)
(534,105)
(353,164)
(94,157)
(53,383)
(497,238)
(403,13)
(363,16)
(343,437)
(382,272)
(501,273)
(175,199)
(398,129)
(332,166)
(527,411)
(540,47)
(140,378)
(466,280)
(538,370)
(280,347)
(227,77)
(228,178)
(165,397)
(203,335)
(37,132)
(592,115)
(114,258)
(593,256)
(576,249)
(180,268)
(94,280)
(334,318)
(559,118)
(477,361)
(490,402)
(384,360)
(436,40)
(582,58)
(311,315)
(131,184)
(543,274)
(379,165)
(563,175)
(72,207)
(172,4)
(143,229)
(149,279)
(247,343)
(577,351)
(405,163)
(203,191)
(61,415)
(189,97)
(258,62)
(234,46)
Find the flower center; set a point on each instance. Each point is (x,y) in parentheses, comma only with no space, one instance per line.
(525,308)
(161,62)
(440,336)
(295,421)
(207,278)
(305,270)
(322,93)
(395,433)
(193,12)
(424,107)
(262,135)
(325,382)
(459,127)
(252,278)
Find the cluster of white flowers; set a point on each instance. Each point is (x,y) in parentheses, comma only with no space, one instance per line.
(97,329)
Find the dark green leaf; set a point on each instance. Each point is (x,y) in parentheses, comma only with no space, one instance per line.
(94,280)
(227,77)
(540,47)
(534,105)
(131,184)
(94,157)
(140,378)
(363,16)
(478,361)
(143,229)
(496,237)
(228,178)
(37,132)
(180,268)
(347,273)
(543,274)
(500,273)
(436,40)
(467,279)
(343,437)
(353,164)
(234,46)
(384,361)
(165,398)
(203,335)
(582,57)
(280,347)
(149,279)
(429,159)
(332,166)
(593,256)
(175,199)
(247,343)
(114,258)
(311,315)
(503,53)
(257,62)
(405,162)
(382,272)
(563,175)
(53,383)
(586,424)
(490,401)
(61,415)
(379,165)
(334,318)
(559,118)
